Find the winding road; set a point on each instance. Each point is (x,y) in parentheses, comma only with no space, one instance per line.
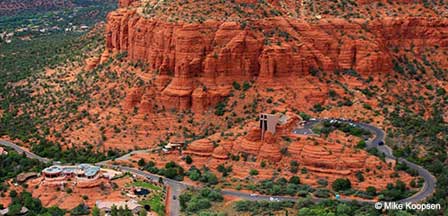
(176,187)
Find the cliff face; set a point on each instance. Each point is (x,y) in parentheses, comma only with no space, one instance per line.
(201,60)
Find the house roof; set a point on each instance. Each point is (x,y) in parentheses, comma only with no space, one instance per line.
(131,204)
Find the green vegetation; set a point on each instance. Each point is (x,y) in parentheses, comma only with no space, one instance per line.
(281,187)
(156,202)
(261,207)
(327,127)
(427,133)
(341,184)
(361,144)
(87,154)
(188,159)
(305,206)
(120,211)
(331,207)
(246,86)
(317,108)
(171,170)
(176,172)
(395,192)
(236,85)
(220,108)
(195,201)
(224,170)
(41,13)
(204,176)
(25,60)
(322,193)
(359,176)
(155,199)
(294,166)
(14,163)
(81,209)
(253,172)
(147,185)
(34,205)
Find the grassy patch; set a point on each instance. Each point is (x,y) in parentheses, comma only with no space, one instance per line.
(146,185)
(156,202)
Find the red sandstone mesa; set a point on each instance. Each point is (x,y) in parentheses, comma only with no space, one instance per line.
(201,60)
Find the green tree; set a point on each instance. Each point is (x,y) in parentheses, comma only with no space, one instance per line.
(14,208)
(359,176)
(253,172)
(141,162)
(81,209)
(371,191)
(13,194)
(188,159)
(341,184)
(194,175)
(96,211)
(294,180)
(246,86)
(114,211)
(236,85)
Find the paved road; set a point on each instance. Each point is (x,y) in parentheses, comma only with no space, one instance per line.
(127,156)
(21,151)
(177,187)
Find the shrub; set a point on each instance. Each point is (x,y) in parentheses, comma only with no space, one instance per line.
(294,166)
(236,85)
(195,201)
(322,193)
(361,144)
(359,176)
(253,172)
(371,191)
(322,182)
(188,159)
(220,109)
(263,164)
(141,162)
(209,178)
(294,180)
(341,184)
(246,86)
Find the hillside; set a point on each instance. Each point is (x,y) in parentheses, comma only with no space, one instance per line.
(196,47)
(328,66)
(206,69)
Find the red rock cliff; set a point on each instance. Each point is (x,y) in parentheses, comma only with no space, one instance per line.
(215,53)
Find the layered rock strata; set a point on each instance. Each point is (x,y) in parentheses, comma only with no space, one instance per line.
(203,59)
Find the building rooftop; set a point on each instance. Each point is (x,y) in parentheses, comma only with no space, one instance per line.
(85,169)
(5,211)
(107,205)
(89,170)
(53,170)
(69,169)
